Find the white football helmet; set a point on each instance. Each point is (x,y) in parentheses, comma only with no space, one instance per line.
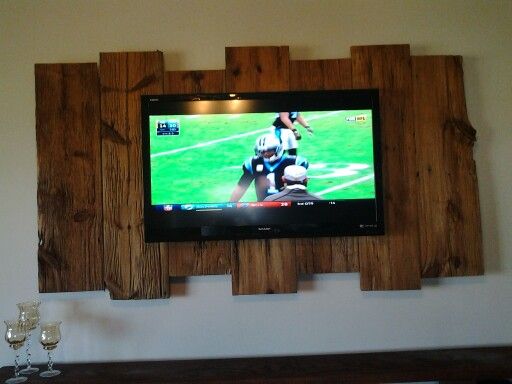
(268,142)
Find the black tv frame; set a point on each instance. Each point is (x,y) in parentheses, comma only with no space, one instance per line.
(160,226)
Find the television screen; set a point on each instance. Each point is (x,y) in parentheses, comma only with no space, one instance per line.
(228,166)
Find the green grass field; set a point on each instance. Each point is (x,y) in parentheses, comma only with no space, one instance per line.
(204,162)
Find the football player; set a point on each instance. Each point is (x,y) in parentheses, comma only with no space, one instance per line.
(285,130)
(266,168)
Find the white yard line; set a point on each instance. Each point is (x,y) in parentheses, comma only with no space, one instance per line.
(228,138)
(345,185)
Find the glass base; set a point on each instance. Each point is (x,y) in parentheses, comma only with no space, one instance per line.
(14,380)
(29,371)
(53,372)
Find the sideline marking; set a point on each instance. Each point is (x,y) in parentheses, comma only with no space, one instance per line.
(208,143)
(345,185)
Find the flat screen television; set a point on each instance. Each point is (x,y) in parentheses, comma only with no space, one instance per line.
(213,165)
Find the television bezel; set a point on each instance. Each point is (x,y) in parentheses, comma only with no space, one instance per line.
(158,229)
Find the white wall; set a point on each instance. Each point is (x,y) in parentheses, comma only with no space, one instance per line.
(330,314)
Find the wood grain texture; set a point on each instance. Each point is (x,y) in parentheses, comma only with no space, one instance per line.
(189,82)
(449,221)
(261,266)
(391,262)
(133,269)
(197,258)
(336,254)
(256,69)
(70,250)
(466,247)
(309,75)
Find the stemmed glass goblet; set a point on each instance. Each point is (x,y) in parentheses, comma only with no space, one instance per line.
(50,336)
(29,319)
(15,335)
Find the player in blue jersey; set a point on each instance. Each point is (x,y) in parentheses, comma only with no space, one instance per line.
(284,128)
(266,168)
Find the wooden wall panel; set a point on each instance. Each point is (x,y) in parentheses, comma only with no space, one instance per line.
(391,262)
(431,192)
(261,266)
(133,268)
(70,249)
(449,208)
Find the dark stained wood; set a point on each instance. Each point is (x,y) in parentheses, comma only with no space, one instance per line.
(261,266)
(476,365)
(324,255)
(449,221)
(133,268)
(184,82)
(391,262)
(70,250)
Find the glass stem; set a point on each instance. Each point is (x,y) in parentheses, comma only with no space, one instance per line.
(29,363)
(16,365)
(50,361)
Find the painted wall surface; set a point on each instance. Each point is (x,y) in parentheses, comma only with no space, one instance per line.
(330,314)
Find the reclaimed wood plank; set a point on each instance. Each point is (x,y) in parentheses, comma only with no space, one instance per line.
(465,247)
(256,69)
(430,111)
(391,262)
(325,254)
(261,266)
(190,82)
(133,269)
(197,258)
(70,249)
(449,221)
(309,75)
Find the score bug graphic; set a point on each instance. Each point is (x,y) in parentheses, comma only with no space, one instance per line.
(168,127)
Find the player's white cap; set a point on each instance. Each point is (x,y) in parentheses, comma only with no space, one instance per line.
(295,173)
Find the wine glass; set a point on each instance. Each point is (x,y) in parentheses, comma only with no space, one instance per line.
(50,336)
(15,335)
(29,318)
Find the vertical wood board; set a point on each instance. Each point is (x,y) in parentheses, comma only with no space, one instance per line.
(449,224)
(261,266)
(133,269)
(466,246)
(205,257)
(70,250)
(336,254)
(391,262)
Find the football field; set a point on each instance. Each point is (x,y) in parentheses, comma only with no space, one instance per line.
(204,162)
